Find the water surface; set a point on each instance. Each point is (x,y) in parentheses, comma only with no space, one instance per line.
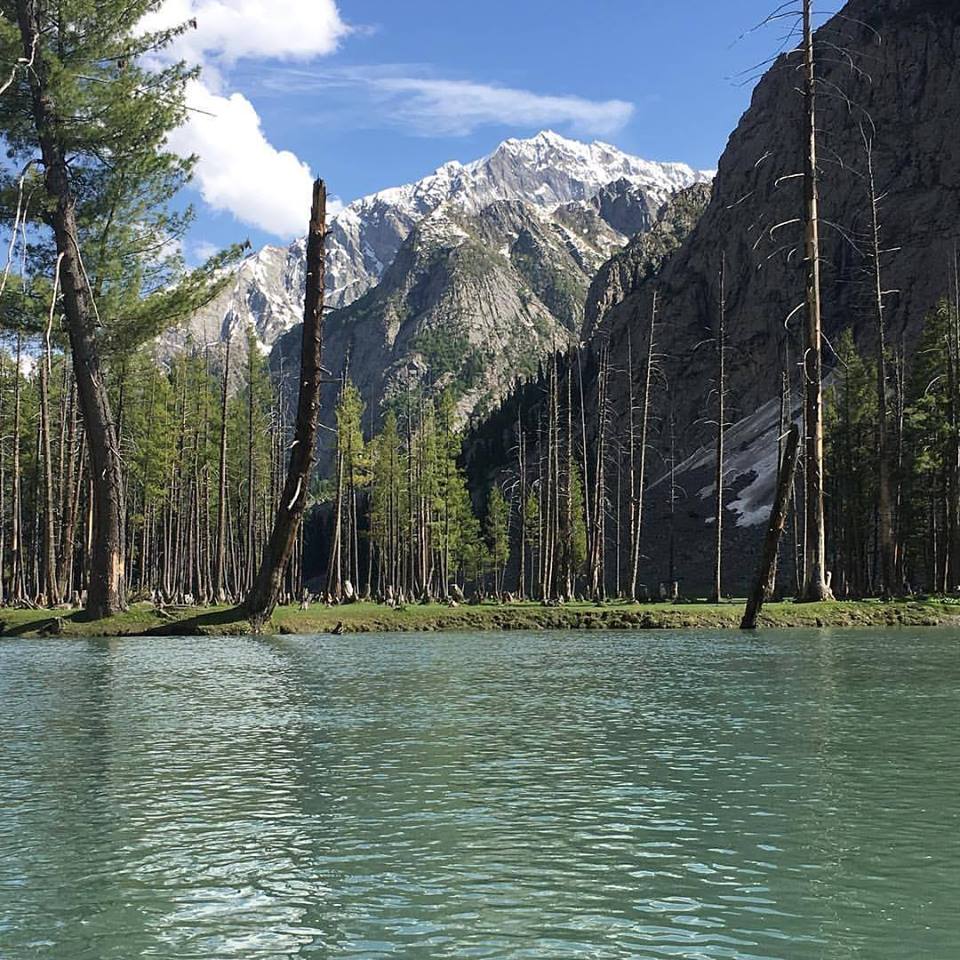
(536,796)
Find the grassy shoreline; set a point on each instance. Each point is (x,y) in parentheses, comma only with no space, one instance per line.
(144,620)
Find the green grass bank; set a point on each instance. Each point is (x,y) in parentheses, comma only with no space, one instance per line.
(145,620)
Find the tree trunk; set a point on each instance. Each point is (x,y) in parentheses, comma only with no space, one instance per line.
(953,466)
(637,492)
(3,490)
(105,588)
(778,521)
(16,513)
(522,486)
(815,585)
(220,585)
(262,599)
(50,585)
(597,553)
(885,520)
(721,415)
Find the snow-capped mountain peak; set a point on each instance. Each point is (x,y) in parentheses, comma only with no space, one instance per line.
(546,171)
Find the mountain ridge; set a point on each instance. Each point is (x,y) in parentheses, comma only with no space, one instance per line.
(547,171)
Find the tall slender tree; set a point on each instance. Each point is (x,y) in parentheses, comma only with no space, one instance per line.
(639,450)
(104,209)
(816,586)
(721,387)
(885,507)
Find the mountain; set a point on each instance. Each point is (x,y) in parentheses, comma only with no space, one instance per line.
(547,172)
(644,256)
(899,74)
(471,300)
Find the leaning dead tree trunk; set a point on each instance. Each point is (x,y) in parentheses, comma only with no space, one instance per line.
(262,599)
(778,521)
(815,586)
(105,587)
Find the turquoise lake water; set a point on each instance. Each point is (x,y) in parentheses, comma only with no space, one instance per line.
(791,795)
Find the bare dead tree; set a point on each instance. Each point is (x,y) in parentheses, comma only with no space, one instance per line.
(262,599)
(49,584)
(17,587)
(816,586)
(721,345)
(220,569)
(638,480)
(598,544)
(886,534)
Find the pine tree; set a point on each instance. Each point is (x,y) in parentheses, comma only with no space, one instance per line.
(850,419)
(101,209)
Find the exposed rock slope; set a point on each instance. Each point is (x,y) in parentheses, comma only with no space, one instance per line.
(913,97)
(644,256)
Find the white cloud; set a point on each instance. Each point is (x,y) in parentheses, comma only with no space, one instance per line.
(460,106)
(239,170)
(231,30)
(408,96)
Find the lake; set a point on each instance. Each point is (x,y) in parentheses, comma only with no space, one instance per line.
(786,795)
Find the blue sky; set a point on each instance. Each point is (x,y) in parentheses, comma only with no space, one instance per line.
(374,93)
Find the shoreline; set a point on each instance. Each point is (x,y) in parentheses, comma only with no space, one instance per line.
(144,620)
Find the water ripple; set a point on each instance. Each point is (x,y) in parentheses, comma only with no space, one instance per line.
(785,797)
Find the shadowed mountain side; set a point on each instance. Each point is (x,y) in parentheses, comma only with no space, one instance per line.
(911,50)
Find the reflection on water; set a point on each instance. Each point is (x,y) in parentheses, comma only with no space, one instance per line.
(531,796)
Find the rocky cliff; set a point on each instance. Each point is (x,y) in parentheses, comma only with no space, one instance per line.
(905,81)
(473,301)
(644,256)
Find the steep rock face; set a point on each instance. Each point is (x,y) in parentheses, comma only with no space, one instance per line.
(644,256)
(473,301)
(627,208)
(913,97)
(547,172)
